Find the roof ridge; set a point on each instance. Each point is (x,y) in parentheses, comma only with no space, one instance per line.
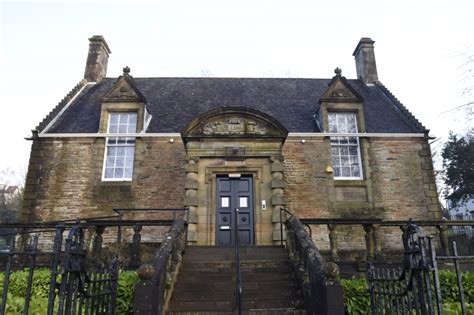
(55,111)
(226,78)
(407,113)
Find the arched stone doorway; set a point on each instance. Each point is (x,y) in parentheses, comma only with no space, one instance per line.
(234,159)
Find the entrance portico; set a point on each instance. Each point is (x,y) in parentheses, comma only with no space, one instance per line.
(234,143)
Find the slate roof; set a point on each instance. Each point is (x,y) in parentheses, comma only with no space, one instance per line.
(174,102)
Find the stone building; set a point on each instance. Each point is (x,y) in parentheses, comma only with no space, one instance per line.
(322,148)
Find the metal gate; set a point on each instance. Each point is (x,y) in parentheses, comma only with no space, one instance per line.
(81,259)
(78,285)
(415,287)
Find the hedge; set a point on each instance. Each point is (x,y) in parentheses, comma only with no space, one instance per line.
(356,297)
(40,290)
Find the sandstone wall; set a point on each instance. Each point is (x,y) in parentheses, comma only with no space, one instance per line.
(64,182)
(64,179)
(398,184)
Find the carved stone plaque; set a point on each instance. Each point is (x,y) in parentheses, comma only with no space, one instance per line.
(234,126)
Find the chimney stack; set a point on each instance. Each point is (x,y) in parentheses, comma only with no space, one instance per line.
(96,66)
(365,61)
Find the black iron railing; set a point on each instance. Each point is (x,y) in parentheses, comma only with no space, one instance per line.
(82,255)
(77,283)
(414,288)
(374,231)
(238,273)
(156,278)
(318,279)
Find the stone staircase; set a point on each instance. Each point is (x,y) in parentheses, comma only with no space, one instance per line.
(206,282)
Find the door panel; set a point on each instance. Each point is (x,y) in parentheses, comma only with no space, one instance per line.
(234,193)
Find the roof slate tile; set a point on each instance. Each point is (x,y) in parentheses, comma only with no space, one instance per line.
(174,102)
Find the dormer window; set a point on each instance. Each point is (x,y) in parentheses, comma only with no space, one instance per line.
(345,150)
(120,151)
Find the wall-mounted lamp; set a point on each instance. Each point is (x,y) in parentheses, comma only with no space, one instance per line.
(171,140)
(329,169)
(303,141)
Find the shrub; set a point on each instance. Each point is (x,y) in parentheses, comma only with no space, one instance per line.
(357,300)
(40,291)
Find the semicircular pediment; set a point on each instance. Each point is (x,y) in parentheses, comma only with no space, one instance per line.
(234,122)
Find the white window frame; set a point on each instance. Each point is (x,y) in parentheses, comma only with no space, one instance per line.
(117,145)
(356,144)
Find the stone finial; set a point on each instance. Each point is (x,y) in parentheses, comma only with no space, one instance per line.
(332,270)
(126,70)
(146,271)
(338,71)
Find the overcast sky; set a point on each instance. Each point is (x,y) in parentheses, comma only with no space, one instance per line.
(420,49)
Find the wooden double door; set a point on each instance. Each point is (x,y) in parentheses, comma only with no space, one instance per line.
(235,193)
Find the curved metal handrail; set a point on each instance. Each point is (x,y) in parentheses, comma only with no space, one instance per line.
(238,272)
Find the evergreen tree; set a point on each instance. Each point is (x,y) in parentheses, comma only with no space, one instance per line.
(458,168)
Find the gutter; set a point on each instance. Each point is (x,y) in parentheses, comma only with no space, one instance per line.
(178,135)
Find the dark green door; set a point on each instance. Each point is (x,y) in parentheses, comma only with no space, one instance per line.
(234,193)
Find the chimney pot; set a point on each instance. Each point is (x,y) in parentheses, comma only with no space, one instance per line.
(365,61)
(97,59)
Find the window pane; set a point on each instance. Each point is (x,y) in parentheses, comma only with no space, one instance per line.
(128,162)
(120,151)
(337,171)
(129,151)
(344,151)
(352,140)
(128,172)
(113,128)
(356,171)
(354,161)
(341,119)
(132,118)
(114,117)
(120,162)
(343,140)
(122,128)
(346,172)
(350,117)
(351,128)
(109,173)
(111,151)
(345,161)
(353,151)
(118,173)
(110,161)
(132,128)
(111,140)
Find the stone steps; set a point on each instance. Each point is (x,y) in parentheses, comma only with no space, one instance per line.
(206,282)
